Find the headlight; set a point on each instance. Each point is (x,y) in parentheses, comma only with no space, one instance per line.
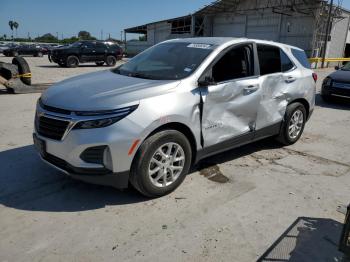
(327,81)
(103,121)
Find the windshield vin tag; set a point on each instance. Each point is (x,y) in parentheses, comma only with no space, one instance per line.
(201,46)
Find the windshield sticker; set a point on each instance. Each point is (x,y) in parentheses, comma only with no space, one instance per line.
(201,46)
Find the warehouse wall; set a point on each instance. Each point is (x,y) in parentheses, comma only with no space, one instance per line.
(338,37)
(295,30)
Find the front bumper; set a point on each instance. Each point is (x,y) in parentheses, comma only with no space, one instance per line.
(93,176)
(338,91)
(67,153)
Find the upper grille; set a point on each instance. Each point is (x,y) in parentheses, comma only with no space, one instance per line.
(52,128)
(341,85)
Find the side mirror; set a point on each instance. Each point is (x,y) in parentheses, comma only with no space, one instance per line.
(207,81)
(336,67)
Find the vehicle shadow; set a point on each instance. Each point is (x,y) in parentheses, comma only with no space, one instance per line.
(339,103)
(307,239)
(29,184)
(264,144)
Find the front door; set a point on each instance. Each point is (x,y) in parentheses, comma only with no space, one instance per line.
(88,52)
(232,97)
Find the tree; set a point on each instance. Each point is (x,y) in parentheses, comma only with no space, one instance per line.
(11,26)
(15,25)
(48,38)
(5,36)
(85,35)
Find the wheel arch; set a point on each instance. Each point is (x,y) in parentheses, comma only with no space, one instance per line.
(182,128)
(304,102)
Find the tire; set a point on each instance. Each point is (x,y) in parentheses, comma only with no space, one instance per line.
(72,61)
(286,135)
(143,163)
(39,54)
(23,68)
(14,53)
(111,60)
(100,63)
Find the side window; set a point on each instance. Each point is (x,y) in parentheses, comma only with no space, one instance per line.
(89,45)
(301,57)
(100,45)
(286,63)
(236,63)
(269,59)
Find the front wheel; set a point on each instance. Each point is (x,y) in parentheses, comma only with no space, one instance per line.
(161,163)
(293,124)
(72,61)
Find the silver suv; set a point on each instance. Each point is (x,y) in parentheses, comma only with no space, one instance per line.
(148,120)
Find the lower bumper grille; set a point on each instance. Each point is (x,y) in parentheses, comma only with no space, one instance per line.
(62,164)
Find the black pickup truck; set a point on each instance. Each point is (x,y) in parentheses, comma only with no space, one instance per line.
(100,52)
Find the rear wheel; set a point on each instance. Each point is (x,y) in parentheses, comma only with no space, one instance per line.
(72,61)
(161,163)
(111,60)
(293,124)
(14,53)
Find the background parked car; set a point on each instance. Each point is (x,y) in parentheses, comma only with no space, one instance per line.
(337,83)
(87,51)
(33,50)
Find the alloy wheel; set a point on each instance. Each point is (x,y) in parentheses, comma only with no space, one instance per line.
(166,164)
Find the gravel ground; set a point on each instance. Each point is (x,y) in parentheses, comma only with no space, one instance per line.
(280,203)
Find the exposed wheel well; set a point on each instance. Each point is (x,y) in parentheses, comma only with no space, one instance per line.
(184,130)
(305,103)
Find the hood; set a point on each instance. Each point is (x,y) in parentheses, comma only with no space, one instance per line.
(341,76)
(103,90)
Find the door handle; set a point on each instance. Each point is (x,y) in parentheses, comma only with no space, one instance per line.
(290,79)
(251,88)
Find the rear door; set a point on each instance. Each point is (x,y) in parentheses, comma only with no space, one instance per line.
(278,78)
(101,51)
(232,97)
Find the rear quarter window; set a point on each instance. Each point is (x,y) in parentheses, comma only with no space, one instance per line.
(301,57)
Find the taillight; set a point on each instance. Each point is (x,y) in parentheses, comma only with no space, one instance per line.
(314,76)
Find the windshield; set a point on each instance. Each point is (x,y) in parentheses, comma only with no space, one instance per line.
(168,61)
(346,67)
(76,44)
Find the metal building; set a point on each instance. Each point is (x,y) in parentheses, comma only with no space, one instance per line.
(301,23)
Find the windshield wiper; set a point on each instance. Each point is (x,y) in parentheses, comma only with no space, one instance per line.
(139,75)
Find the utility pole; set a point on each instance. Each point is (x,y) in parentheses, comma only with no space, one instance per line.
(101,34)
(330,14)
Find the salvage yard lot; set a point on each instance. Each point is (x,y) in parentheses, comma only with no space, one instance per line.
(278,203)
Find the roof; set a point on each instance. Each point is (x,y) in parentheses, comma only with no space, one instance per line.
(217,41)
(286,7)
(142,29)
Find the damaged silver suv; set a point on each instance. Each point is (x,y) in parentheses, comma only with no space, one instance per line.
(147,121)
